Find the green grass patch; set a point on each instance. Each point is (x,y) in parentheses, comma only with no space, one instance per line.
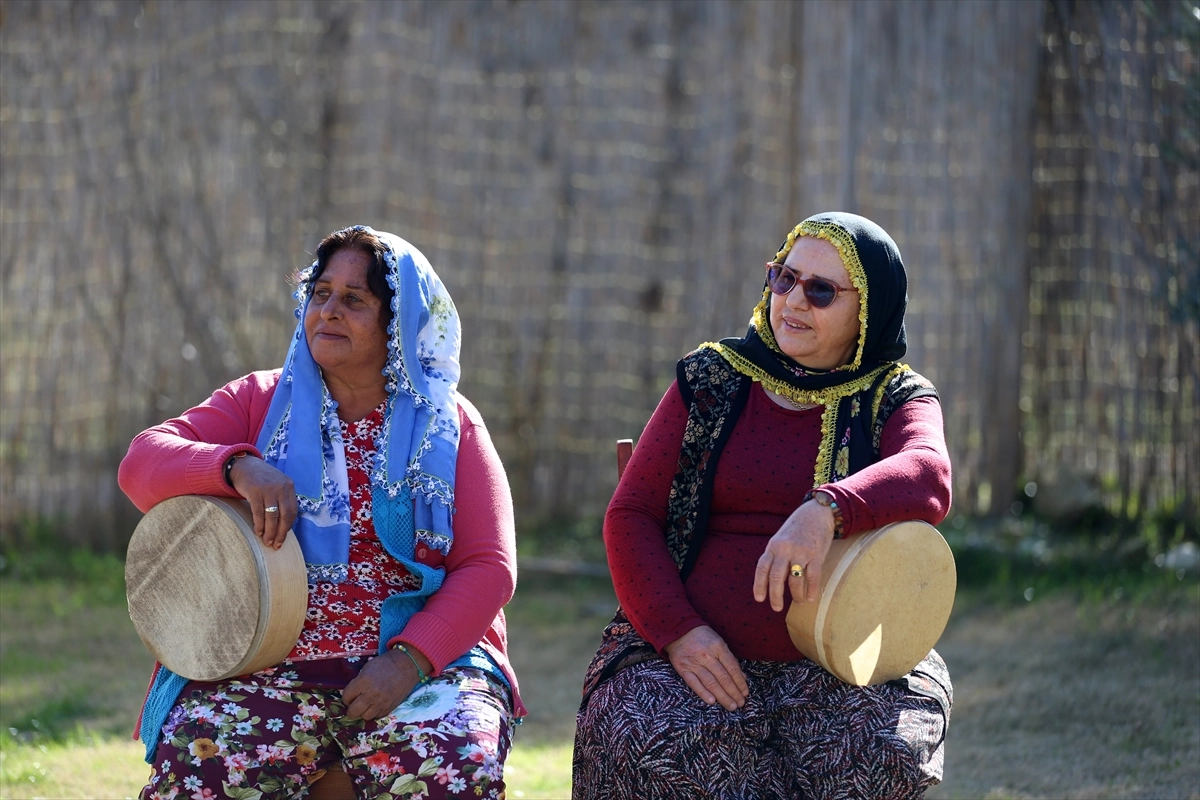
(539,770)
(86,766)
(95,767)
(56,720)
(576,539)
(74,671)
(67,661)
(562,600)
(36,551)
(1006,562)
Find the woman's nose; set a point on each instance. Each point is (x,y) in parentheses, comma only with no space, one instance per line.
(796,299)
(332,307)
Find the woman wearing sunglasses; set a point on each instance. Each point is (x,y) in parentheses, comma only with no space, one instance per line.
(765,449)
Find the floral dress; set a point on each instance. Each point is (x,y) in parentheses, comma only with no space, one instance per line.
(273,733)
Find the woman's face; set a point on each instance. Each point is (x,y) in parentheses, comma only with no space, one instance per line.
(818,338)
(342,323)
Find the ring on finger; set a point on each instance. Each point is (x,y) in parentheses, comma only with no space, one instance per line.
(797,571)
(271,509)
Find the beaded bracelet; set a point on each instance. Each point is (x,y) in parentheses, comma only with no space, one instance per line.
(825,499)
(421,676)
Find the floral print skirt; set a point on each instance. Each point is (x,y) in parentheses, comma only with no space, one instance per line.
(803,733)
(271,734)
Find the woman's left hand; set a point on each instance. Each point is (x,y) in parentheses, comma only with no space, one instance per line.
(383,684)
(803,539)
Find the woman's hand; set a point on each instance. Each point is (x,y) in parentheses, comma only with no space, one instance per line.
(803,539)
(384,682)
(709,668)
(266,487)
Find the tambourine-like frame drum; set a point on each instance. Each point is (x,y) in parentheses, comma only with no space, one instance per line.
(207,598)
(886,596)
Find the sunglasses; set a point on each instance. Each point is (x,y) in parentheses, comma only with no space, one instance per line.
(819,292)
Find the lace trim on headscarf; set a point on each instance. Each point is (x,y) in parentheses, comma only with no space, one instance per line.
(841,239)
(327,573)
(416,455)
(828,398)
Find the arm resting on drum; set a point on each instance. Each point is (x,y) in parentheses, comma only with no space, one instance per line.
(187,454)
(644,575)
(911,481)
(481,569)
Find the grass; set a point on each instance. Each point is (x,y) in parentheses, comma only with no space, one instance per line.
(539,770)
(1010,561)
(67,660)
(73,672)
(103,768)
(107,767)
(77,766)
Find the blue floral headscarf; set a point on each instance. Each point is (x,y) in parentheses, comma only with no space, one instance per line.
(416,456)
(418,452)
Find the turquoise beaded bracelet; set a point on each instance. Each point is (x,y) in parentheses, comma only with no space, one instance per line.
(421,676)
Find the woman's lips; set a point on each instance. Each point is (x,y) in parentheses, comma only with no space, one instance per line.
(796,325)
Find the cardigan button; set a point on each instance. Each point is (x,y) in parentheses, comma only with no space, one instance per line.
(422,552)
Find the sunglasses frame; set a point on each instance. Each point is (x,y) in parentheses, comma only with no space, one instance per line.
(803,284)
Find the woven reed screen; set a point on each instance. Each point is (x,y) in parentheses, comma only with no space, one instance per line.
(599,184)
(1112,352)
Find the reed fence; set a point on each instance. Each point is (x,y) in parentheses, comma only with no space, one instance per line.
(599,183)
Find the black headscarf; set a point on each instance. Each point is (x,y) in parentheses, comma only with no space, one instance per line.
(873,262)
(715,381)
(852,393)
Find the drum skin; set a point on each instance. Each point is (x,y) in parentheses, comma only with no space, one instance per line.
(207,598)
(886,596)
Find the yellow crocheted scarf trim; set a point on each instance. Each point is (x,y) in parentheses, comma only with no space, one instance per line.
(841,239)
(828,398)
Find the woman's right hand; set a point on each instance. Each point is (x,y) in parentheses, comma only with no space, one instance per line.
(265,486)
(709,668)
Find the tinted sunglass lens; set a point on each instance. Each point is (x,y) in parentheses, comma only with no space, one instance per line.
(780,280)
(820,293)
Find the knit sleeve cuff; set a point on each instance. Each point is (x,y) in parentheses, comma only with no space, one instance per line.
(205,472)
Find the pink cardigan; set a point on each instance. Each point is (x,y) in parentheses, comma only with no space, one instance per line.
(187,454)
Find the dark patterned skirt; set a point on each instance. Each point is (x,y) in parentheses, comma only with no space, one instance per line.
(802,734)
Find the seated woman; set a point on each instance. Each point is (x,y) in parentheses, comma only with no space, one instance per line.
(362,446)
(764,450)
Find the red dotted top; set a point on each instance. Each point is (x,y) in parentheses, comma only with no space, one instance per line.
(763,474)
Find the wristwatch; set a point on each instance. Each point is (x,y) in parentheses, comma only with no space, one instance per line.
(229,466)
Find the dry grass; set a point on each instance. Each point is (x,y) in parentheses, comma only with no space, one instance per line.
(1058,698)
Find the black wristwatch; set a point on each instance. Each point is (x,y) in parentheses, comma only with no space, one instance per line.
(229,467)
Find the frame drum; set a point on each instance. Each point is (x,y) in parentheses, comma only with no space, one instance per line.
(207,598)
(885,599)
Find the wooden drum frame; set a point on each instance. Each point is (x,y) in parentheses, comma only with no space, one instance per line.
(207,598)
(886,596)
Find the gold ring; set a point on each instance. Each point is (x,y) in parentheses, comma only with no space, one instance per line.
(797,571)
(272,509)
